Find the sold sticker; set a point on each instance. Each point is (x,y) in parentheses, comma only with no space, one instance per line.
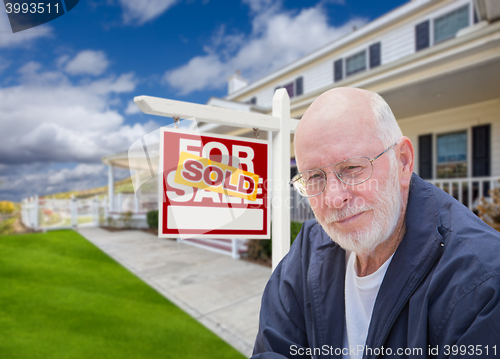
(203,173)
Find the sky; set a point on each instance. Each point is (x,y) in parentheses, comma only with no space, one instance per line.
(67,87)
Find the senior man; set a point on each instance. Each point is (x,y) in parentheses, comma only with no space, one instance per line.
(392,266)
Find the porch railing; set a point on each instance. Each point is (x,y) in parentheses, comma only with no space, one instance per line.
(467,190)
(300,210)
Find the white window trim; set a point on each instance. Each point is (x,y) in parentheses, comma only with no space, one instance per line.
(365,50)
(468,155)
(431,31)
(469,152)
(431,25)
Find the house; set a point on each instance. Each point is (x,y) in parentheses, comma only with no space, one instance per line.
(437,64)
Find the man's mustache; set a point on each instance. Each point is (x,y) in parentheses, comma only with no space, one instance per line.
(339,215)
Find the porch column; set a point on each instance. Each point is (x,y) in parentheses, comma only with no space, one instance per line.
(136,192)
(111,187)
(35,213)
(74,212)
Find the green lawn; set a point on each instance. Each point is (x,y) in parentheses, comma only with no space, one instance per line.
(61,297)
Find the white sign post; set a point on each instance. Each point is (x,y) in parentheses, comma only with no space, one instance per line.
(279,123)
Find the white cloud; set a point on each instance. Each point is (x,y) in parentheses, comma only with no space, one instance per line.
(3,64)
(201,72)
(140,12)
(46,118)
(22,38)
(80,172)
(23,181)
(87,62)
(132,108)
(261,5)
(278,38)
(48,121)
(62,60)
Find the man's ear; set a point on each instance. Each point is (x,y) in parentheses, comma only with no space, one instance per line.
(405,156)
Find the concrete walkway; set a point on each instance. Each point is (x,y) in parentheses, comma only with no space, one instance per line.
(222,293)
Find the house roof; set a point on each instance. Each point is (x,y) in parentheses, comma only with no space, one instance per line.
(383,21)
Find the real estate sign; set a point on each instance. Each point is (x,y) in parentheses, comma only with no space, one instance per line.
(213,186)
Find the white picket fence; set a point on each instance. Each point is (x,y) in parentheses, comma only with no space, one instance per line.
(46,214)
(128,202)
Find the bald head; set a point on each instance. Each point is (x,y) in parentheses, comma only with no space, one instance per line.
(349,115)
(353,124)
(337,104)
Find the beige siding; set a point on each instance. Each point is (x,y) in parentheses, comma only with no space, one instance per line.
(265,97)
(318,76)
(397,41)
(460,118)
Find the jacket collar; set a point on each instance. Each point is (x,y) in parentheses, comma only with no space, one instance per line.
(417,252)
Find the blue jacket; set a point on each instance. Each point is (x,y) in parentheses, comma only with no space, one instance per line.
(440,293)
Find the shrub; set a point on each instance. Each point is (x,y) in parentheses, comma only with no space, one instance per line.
(152,219)
(7,226)
(489,209)
(261,249)
(295,228)
(110,222)
(127,219)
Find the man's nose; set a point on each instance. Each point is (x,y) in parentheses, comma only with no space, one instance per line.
(336,194)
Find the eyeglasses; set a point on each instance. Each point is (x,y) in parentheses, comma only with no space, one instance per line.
(351,171)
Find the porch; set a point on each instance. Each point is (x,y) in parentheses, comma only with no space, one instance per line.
(467,190)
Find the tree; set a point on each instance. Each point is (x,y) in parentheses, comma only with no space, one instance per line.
(6,207)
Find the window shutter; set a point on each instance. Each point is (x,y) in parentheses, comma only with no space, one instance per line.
(299,86)
(289,89)
(422,35)
(481,150)
(337,70)
(375,55)
(425,156)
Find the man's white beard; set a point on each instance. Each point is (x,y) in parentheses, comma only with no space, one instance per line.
(386,212)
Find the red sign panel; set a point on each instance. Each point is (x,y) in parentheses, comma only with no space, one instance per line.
(213,186)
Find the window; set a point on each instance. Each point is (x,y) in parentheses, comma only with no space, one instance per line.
(252,101)
(452,155)
(355,63)
(358,62)
(338,73)
(375,54)
(422,36)
(299,86)
(289,89)
(447,26)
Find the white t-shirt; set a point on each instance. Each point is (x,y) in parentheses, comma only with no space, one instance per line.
(360,295)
